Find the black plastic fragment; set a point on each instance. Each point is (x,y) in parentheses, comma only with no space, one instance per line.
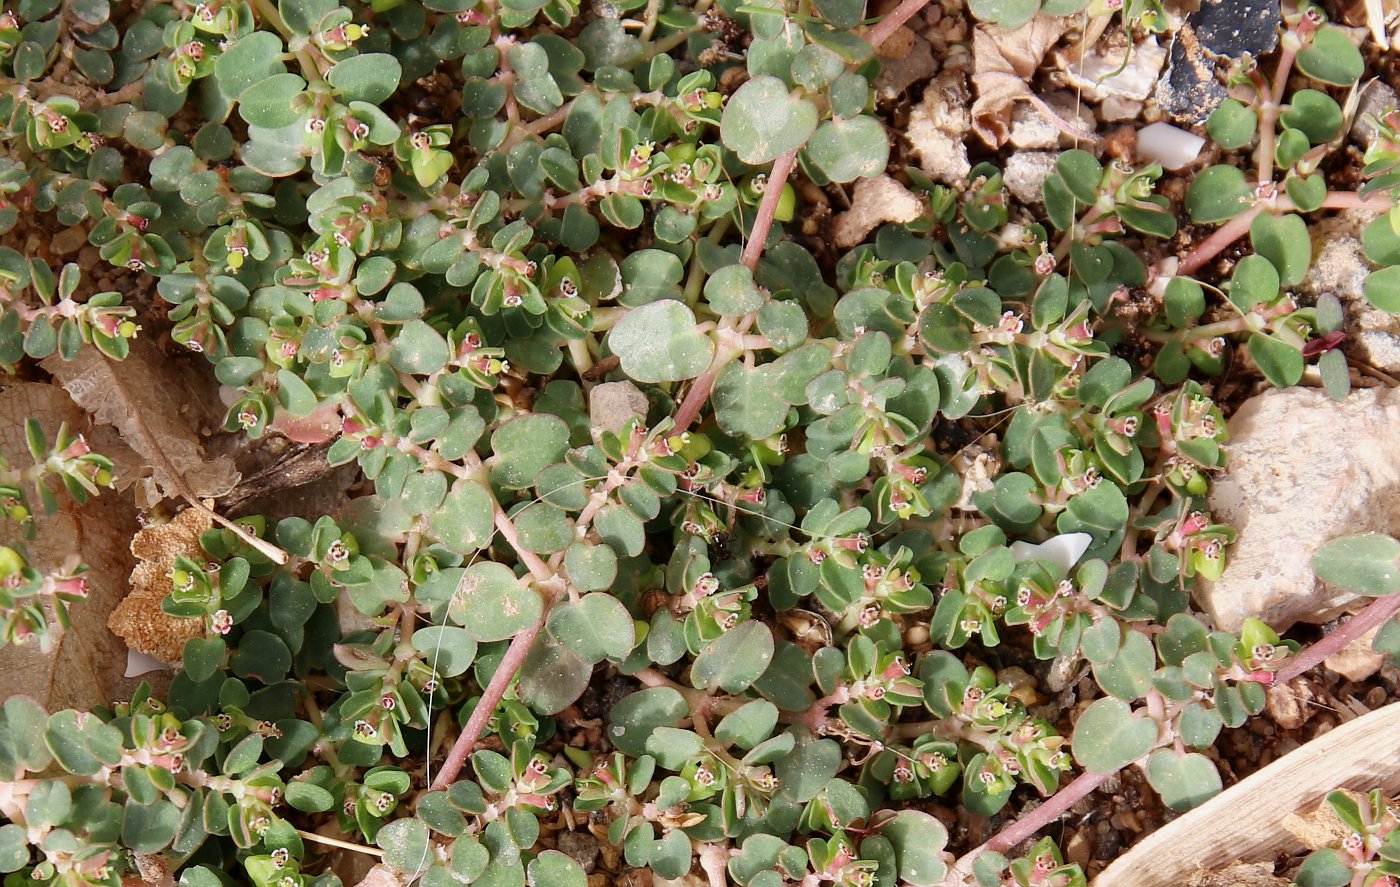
(1221,30)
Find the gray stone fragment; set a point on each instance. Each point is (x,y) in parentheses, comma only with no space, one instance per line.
(581,847)
(1340,267)
(612,404)
(1376,99)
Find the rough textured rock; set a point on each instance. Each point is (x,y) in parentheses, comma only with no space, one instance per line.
(581,847)
(612,405)
(139,619)
(1340,268)
(875,202)
(938,127)
(1031,129)
(1026,172)
(1218,29)
(1302,469)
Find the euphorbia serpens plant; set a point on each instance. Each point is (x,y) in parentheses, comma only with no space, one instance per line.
(425,233)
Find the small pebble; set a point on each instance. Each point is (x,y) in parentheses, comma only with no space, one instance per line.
(1169,145)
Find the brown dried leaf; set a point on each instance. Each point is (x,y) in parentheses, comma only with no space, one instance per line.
(139,619)
(1003,64)
(156,408)
(86,665)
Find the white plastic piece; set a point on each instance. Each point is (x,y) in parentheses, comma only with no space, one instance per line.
(1169,145)
(138,664)
(1064,550)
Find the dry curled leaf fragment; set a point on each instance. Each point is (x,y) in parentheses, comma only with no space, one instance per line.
(138,619)
(147,401)
(1004,63)
(84,667)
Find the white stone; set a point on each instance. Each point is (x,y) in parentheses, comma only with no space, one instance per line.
(138,663)
(1171,146)
(1301,469)
(1026,171)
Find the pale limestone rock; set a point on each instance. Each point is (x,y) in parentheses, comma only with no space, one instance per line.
(1115,108)
(1031,129)
(1171,146)
(1340,268)
(1357,661)
(1302,469)
(612,405)
(1026,171)
(938,128)
(876,201)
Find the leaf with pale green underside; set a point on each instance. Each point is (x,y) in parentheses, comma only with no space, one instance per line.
(1108,737)
(734,661)
(762,120)
(659,342)
(595,627)
(492,604)
(1183,780)
(1368,564)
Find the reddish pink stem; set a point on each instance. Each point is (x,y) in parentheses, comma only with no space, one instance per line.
(1225,235)
(1376,613)
(694,401)
(699,393)
(490,698)
(768,208)
(1237,227)
(511,662)
(1054,807)
(890,23)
